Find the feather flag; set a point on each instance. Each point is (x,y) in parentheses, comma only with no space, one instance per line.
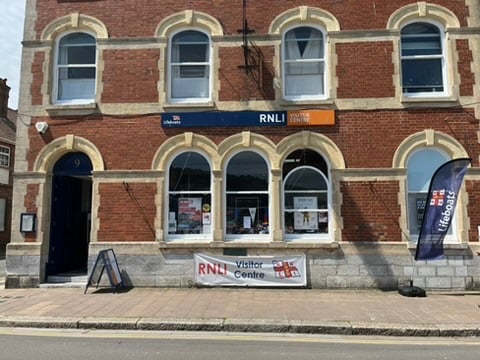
(440,207)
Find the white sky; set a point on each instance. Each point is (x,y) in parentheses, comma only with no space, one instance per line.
(11,35)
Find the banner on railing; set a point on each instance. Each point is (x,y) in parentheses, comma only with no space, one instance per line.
(250,270)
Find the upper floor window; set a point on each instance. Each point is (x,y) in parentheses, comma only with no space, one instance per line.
(190,198)
(76,68)
(304,64)
(4,156)
(190,67)
(423,60)
(247,195)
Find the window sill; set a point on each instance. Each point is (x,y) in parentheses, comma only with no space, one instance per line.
(443,101)
(182,105)
(328,103)
(246,244)
(71,109)
(450,249)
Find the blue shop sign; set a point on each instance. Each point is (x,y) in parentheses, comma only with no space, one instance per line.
(222,119)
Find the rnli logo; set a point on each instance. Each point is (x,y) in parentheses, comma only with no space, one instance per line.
(285,270)
(438,198)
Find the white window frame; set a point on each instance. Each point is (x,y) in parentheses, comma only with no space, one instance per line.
(248,237)
(324,61)
(58,67)
(316,237)
(442,57)
(208,64)
(207,236)
(5,154)
(452,235)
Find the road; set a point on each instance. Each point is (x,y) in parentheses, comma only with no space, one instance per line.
(21,344)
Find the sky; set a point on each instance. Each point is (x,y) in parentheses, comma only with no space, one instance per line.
(12,14)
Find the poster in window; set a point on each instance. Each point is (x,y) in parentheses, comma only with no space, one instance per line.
(420,204)
(308,219)
(189,214)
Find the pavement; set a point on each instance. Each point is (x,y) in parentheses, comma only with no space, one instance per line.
(307,311)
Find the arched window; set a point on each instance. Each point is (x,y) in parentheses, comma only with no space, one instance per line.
(76,68)
(247,198)
(421,166)
(190,199)
(306,195)
(304,64)
(190,67)
(423,60)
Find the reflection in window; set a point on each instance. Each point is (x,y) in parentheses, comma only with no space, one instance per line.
(247,194)
(422,59)
(304,63)
(76,67)
(305,194)
(420,168)
(190,66)
(189,210)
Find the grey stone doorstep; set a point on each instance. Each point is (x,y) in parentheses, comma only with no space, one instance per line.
(242,325)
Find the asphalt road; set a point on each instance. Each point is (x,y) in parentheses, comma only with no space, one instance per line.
(37,344)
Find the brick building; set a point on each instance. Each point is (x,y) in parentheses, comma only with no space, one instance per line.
(245,128)
(8,118)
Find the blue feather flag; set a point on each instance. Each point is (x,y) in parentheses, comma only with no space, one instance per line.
(440,208)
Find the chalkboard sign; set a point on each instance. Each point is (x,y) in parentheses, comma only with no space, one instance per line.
(106,262)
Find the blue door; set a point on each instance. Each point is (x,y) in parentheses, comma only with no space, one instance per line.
(70,214)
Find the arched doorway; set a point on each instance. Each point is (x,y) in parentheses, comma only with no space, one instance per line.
(70,214)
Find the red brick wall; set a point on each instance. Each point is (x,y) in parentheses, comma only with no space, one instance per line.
(140,17)
(367,139)
(236,84)
(464,67)
(365,70)
(127,212)
(370,211)
(37,75)
(130,76)
(125,143)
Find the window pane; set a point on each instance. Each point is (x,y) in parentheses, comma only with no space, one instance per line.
(247,171)
(421,167)
(305,179)
(304,43)
(421,46)
(186,71)
(421,39)
(190,53)
(306,213)
(304,157)
(189,172)
(77,73)
(422,75)
(77,49)
(247,214)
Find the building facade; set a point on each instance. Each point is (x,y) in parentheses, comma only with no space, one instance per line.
(245,128)
(8,119)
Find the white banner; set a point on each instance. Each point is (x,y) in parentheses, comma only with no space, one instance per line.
(250,270)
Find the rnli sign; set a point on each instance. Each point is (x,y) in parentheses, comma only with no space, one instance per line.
(250,270)
(249,118)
